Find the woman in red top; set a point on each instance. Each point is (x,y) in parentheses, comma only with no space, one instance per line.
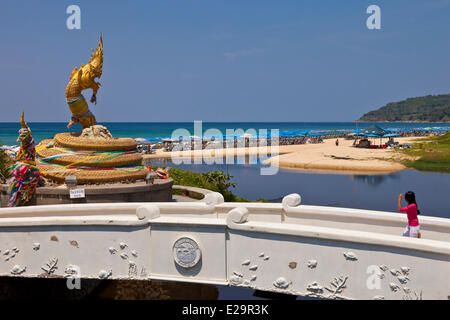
(413,228)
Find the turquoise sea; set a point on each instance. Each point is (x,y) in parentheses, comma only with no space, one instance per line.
(42,130)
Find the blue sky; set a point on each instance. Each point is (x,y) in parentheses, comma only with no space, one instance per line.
(207,60)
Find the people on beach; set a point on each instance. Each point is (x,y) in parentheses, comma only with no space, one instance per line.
(413,228)
(337,142)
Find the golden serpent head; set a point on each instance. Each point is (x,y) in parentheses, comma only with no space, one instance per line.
(96,60)
(87,73)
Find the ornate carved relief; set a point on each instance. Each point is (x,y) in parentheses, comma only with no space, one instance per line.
(50,266)
(394,287)
(312,264)
(103,274)
(281,283)
(71,270)
(337,285)
(132,269)
(314,288)
(405,270)
(350,256)
(395,272)
(123,245)
(186,252)
(16,270)
(236,279)
(246,262)
(415,296)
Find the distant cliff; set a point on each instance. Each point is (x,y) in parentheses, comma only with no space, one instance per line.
(420,109)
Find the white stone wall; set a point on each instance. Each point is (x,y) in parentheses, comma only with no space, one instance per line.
(326,252)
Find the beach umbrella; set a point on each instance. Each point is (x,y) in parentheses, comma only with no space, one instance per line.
(440,129)
(375,130)
(301,132)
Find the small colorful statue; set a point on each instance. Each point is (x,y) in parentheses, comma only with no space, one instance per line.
(26,174)
(81,80)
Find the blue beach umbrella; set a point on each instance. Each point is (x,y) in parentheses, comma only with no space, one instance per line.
(440,129)
(152,139)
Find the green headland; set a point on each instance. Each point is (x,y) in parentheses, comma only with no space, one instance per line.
(421,109)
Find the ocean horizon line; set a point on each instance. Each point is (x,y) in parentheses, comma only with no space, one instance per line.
(352,121)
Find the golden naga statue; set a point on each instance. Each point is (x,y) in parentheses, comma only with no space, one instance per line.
(81,80)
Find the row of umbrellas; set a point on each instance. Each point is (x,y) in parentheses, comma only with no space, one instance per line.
(372,131)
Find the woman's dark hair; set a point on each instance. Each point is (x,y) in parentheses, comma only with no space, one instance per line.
(410,197)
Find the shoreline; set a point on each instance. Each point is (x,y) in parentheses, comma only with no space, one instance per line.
(325,157)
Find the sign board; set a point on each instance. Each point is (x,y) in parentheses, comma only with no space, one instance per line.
(77,193)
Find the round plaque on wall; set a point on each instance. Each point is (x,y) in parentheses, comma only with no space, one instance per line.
(186,252)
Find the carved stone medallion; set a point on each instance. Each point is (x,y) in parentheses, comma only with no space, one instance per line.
(186,252)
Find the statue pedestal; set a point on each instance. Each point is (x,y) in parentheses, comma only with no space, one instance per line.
(159,191)
(91,159)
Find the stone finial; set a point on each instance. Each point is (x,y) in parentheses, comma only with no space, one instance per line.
(213,198)
(291,200)
(238,215)
(148,212)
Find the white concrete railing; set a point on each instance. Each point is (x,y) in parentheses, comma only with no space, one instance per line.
(288,247)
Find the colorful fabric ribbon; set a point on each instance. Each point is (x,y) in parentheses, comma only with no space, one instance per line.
(25,172)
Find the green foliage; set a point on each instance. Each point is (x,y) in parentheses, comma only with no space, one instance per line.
(221,180)
(422,109)
(433,153)
(214,181)
(5,164)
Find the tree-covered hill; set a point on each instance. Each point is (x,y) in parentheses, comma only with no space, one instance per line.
(421,109)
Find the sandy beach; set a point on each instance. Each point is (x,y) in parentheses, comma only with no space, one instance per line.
(324,156)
